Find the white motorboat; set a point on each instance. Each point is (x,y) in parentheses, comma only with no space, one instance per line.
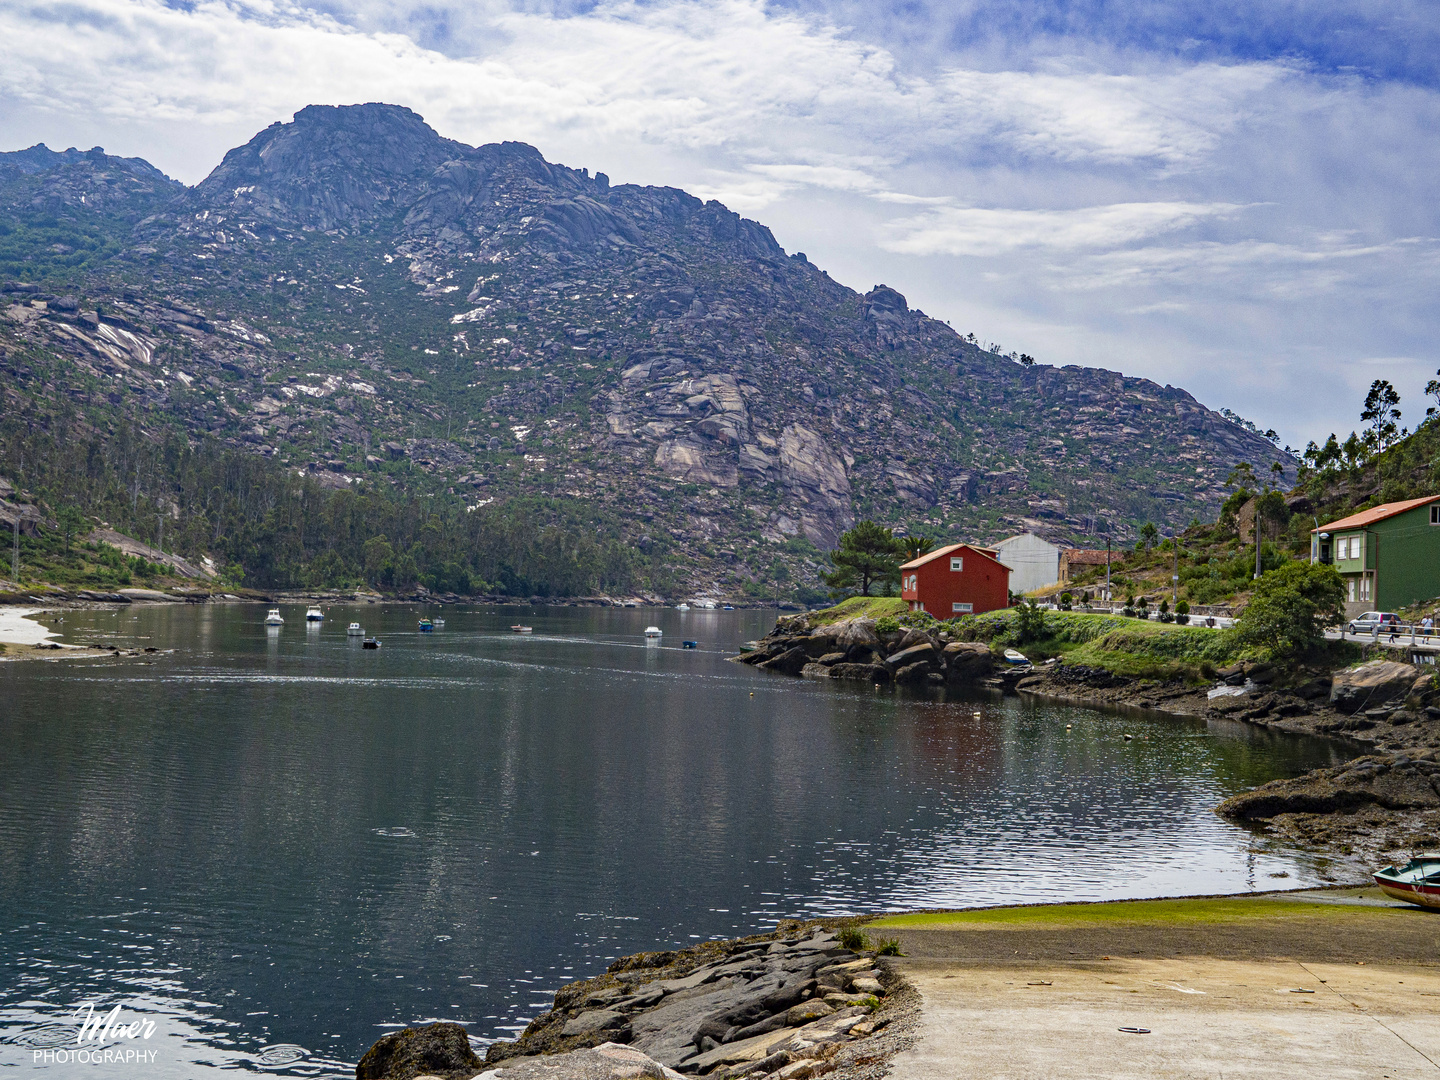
(653,633)
(438,622)
(682,606)
(354,630)
(314,614)
(708,605)
(273,618)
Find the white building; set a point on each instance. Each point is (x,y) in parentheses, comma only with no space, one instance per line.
(1034,563)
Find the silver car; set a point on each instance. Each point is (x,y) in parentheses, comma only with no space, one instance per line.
(1370,621)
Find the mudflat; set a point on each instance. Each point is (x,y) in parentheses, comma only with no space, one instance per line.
(1334,983)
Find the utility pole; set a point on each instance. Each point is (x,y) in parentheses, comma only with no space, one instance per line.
(1257,534)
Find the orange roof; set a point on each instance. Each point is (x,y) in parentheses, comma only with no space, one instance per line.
(946,550)
(1374,514)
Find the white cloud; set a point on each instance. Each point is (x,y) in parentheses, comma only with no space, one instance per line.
(964,230)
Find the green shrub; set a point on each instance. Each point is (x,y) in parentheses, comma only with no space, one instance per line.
(852,939)
(889,624)
(888,947)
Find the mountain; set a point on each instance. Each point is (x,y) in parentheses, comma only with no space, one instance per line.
(365,301)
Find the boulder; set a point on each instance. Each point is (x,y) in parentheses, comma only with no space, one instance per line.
(878,673)
(856,632)
(820,641)
(967,661)
(915,637)
(924,653)
(791,662)
(440,1049)
(1372,684)
(595,1020)
(832,658)
(815,671)
(806,1012)
(913,673)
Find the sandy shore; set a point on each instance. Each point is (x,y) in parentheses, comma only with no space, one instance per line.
(22,638)
(1335,983)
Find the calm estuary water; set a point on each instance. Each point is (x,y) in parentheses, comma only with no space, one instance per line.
(277,846)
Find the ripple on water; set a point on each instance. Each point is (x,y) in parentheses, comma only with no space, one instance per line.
(43,1036)
(393,830)
(281,1054)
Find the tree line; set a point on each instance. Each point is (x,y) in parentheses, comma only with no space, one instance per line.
(268,527)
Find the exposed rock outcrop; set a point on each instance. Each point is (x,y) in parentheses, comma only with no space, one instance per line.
(749,1006)
(854,649)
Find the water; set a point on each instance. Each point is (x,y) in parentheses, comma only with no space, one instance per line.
(277,846)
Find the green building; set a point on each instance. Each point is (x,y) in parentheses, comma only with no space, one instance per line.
(1388,555)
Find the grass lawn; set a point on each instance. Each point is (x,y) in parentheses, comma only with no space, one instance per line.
(1199,911)
(874,607)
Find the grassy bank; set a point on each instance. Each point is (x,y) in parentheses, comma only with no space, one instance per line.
(1183,912)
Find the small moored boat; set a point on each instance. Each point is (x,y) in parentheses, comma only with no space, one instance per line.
(682,606)
(690,644)
(438,621)
(1018,659)
(371,643)
(314,614)
(652,632)
(426,626)
(728,607)
(1417,882)
(749,646)
(273,618)
(518,629)
(354,630)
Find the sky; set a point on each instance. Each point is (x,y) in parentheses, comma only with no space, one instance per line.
(1235,198)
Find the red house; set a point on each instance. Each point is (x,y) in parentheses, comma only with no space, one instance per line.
(955,580)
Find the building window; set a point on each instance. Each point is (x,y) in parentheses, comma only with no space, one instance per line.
(965,608)
(957,563)
(1435,513)
(1350,590)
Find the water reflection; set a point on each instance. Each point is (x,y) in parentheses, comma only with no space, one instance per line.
(278,843)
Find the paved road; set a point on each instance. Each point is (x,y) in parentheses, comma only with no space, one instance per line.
(1206,1018)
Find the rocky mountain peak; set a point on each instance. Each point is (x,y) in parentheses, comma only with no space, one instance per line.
(331,167)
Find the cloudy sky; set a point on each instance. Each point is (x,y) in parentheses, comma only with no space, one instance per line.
(1235,198)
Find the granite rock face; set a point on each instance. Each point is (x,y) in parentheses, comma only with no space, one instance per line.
(1371,685)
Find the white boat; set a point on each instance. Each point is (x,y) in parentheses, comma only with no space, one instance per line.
(652,632)
(519,629)
(708,605)
(354,630)
(437,622)
(314,614)
(273,618)
(682,606)
(1018,659)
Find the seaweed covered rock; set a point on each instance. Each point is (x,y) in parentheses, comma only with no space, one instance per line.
(1396,782)
(435,1050)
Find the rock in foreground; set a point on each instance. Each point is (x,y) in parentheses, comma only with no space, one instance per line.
(441,1050)
(757,1005)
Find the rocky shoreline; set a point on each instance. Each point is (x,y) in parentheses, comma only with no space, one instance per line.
(1378,807)
(794,1004)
